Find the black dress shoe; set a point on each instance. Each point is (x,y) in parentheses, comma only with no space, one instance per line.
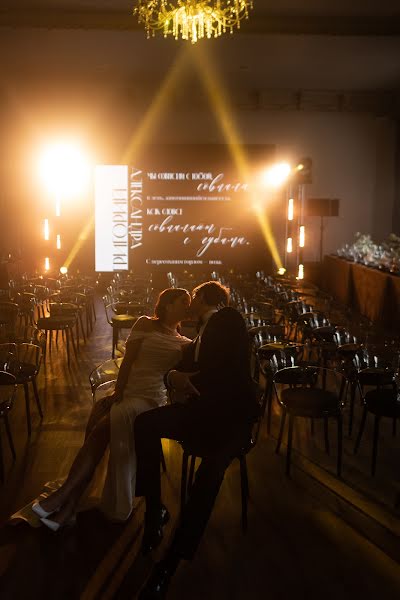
(153,534)
(156,586)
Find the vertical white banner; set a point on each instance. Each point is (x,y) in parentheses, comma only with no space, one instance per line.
(111,218)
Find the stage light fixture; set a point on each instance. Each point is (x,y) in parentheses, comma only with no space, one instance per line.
(63,270)
(300,274)
(289,245)
(47,264)
(281,271)
(276,175)
(58,243)
(303,171)
(64,169)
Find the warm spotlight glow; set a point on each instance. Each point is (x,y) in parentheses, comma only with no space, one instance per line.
(58,208)
(276,175)
(289,245)
(58,241)
(47,264)
(281,271)
(290,211)
(301,272)
(301,236)
(46,230)
(300,167)
(64,169)
(64,270)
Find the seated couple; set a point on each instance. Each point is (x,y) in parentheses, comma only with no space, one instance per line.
(213,372)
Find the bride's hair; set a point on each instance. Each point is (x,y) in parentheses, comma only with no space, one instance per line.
(166,297)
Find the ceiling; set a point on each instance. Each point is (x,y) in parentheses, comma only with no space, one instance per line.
(310,45)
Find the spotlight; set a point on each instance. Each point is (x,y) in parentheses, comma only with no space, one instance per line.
(63,270)
(47,264)
(281,271)
(64,167)
(301,272)
(304,171)
(276,175)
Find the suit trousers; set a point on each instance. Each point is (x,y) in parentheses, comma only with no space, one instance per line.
(177,422)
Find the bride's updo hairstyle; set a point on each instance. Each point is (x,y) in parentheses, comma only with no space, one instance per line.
(166,297)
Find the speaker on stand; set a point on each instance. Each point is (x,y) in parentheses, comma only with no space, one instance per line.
(322,207)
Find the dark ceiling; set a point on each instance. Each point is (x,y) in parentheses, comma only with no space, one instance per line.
(314,45)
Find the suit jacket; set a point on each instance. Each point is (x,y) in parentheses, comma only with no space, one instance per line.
(227,391)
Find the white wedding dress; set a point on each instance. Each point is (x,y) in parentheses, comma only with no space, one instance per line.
(112,489)
(145,389)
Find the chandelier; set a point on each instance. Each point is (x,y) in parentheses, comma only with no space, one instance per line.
(191,19)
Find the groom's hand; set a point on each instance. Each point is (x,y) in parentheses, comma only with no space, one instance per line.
(180,382)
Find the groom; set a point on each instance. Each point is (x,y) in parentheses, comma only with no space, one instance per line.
(217,419)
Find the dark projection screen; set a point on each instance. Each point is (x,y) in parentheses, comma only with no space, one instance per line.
(180,207)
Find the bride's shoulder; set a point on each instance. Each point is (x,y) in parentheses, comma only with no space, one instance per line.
(144,324)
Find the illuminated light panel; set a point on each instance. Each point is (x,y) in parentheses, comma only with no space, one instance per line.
(47,264)
(58,241)
(289,245)
(301,236)
(301,272)
(290,212)
(46,230)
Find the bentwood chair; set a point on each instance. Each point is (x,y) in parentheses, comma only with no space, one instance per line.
(315,393)
(381,401)
(192,452)
(23,361)
(105,372)
(117,322)
(7,395)
(9,312)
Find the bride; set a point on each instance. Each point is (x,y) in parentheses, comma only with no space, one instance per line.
(152,348)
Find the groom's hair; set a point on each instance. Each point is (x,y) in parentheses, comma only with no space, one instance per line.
(213,293)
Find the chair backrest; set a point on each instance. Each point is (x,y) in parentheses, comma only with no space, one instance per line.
(106,371)
(7,378)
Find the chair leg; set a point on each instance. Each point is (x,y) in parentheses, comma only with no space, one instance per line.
(352,400)
(339,445)
(289,445)
(268,391)
(375,444)
(67,340)
(281,430)
(185,458)
(114,341)
(191,473)
(28,409)
(362,425)
(1,462)
(10,438)
(326,434)
(36,393)
(162,460)
(244,485)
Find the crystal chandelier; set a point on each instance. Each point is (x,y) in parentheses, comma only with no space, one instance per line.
(191,19)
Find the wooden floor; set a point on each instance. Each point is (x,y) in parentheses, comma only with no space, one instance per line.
(311,536)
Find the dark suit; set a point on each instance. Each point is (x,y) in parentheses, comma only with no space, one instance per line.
(217,424)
